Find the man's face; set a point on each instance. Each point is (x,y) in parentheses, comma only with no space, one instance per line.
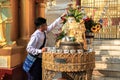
(44,27)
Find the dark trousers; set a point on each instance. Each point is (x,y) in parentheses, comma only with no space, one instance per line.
(35,72)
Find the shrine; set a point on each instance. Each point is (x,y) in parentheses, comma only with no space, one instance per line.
(88,50)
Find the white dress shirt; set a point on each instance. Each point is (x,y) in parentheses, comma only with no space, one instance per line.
(37,39)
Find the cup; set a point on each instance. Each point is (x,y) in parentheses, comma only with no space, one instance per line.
(73,51)
(59,50)
(53,51)
(66,51)
(90,50)
(79,51)
(48,49)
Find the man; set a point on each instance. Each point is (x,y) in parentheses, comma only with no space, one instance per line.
(35,47)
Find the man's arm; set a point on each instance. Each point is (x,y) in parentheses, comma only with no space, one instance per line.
(57,22)
(32,46)
(54,24)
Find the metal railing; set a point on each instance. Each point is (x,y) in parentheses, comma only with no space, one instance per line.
(112,32)
(109,11)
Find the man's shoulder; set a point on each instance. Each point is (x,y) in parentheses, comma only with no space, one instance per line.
(36,33)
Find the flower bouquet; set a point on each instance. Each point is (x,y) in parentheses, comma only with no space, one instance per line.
(90,25)
(77,25)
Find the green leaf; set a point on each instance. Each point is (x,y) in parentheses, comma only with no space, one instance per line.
(61,35)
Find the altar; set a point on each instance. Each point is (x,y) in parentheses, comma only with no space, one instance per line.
(73,66)
(72,56)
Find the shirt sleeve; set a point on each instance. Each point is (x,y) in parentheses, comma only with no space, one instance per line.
(32,46)
(54,24)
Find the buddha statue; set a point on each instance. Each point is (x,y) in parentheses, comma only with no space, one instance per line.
(75,30)
(5,31)
(2,33)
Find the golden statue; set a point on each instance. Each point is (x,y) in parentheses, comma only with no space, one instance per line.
(76,30)
(73,29)
(2,32)
(4,35)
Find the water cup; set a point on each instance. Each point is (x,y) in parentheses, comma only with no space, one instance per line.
(66,51)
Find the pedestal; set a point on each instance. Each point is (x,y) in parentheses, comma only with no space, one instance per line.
(73,66)
(11,56)
(11,59)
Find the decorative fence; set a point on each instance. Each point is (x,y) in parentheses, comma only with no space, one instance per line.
(109,11)
(111,32)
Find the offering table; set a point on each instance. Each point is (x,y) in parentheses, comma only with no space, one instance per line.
(73,66)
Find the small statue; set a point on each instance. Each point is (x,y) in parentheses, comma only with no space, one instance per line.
(4,35)
(75,30)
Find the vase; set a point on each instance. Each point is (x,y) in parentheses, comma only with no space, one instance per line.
(89,40)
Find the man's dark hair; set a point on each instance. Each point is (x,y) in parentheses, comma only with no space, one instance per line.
(39,21)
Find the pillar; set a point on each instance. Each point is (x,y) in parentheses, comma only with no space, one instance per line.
(40,8)
(28,11)
(78,2)
(14,26)
(27,16)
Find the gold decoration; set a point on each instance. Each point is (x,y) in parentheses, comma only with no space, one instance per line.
(74,65)
(2,32)
(74,29)
(96,28)
(73,62)
(5,26)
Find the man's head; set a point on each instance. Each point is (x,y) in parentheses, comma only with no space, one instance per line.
(41,24)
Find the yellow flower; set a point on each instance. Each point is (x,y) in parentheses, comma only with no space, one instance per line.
(96,28)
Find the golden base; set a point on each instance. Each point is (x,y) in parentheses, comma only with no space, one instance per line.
(11,56)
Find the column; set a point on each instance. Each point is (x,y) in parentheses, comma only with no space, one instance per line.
(14,26)
(27,16)
(40,8)
(78,2)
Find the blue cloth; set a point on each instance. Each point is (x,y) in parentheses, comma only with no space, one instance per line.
(28,62)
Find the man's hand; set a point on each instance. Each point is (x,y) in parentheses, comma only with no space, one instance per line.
(63,17)
(64,14)
(44,49)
